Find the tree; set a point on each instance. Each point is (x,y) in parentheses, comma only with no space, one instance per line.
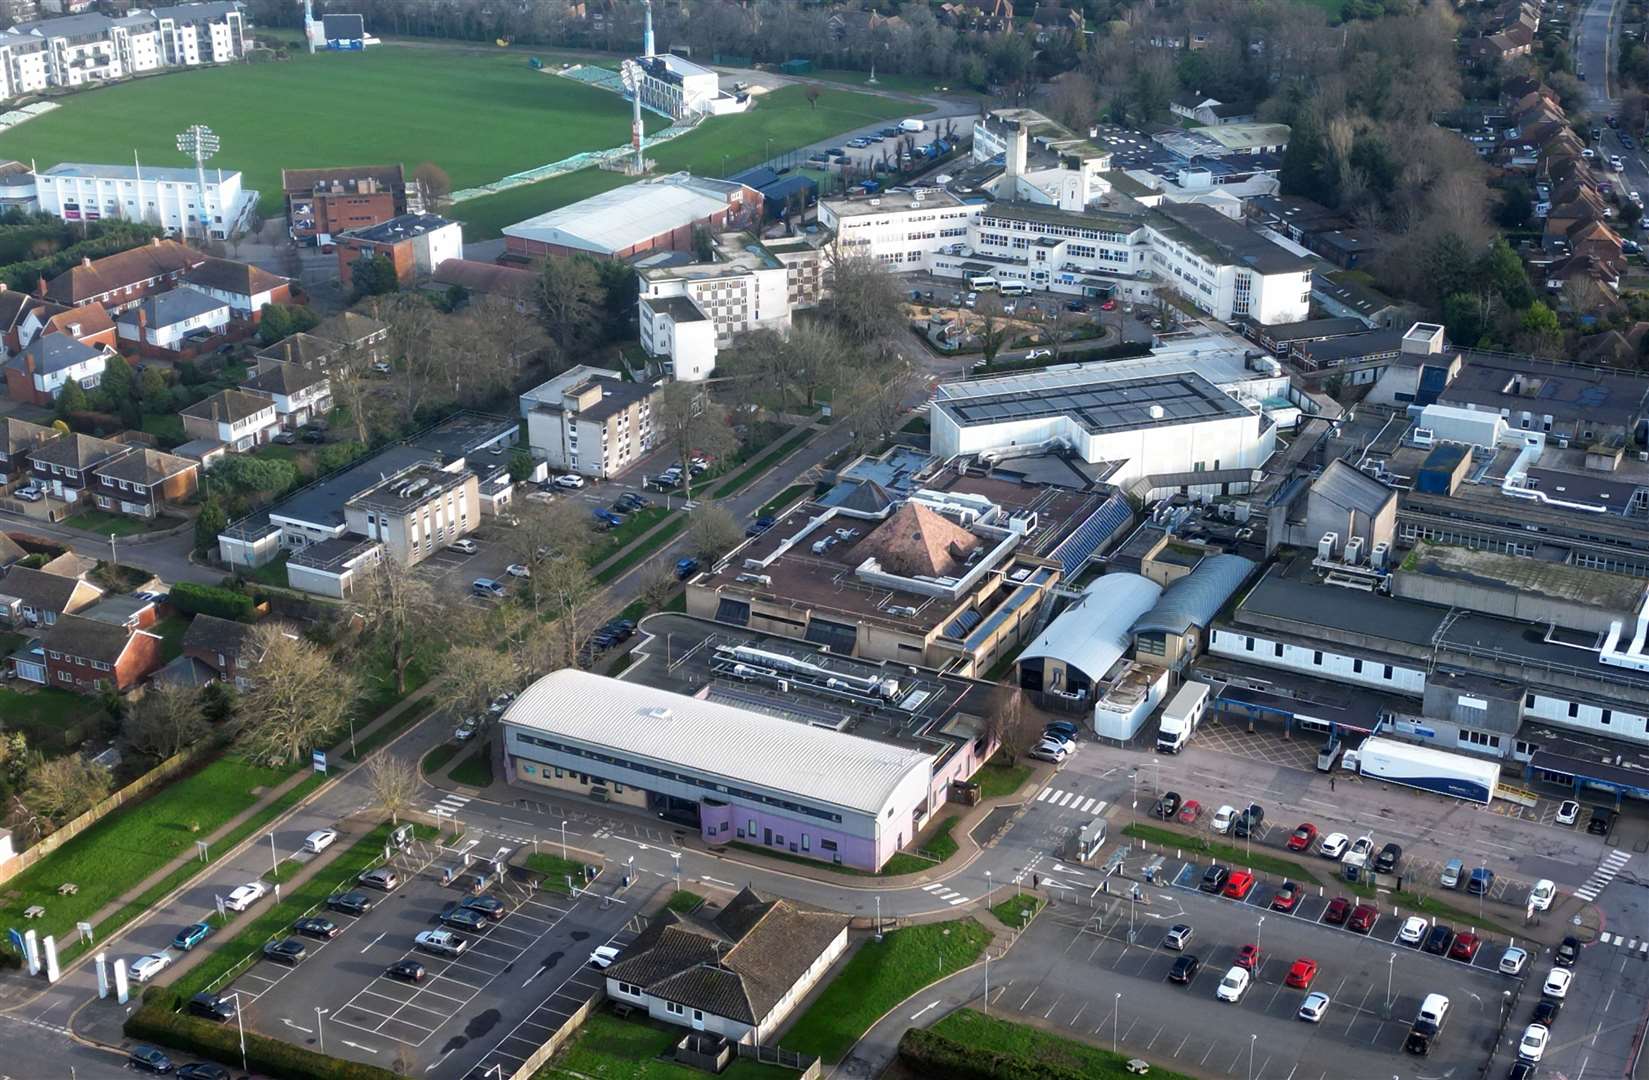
(218,702)
(1539,330)
(548,531)
(812,96)
(115,388)
(57,790)
(993,330)
(299,699)
(565,594)
(870,403)
(394,783)
(472,675)
(152,388)
(866,302)
(568,293)
(657,585)
(689,421)
(71,399)
(400,614)
(165,720)
(1011,725)
(434,182)
(712,532)
(373,275)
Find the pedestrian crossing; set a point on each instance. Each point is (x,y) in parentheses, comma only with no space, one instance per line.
(1071,800)
(944,892)
(449,806)
(1631,945)
(1611,865)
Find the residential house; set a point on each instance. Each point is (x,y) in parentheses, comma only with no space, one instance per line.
(300,348)
(1202,109)
(244,287)
(120,280)
(508,283)
(88,324)
(236,418)
(174,325)
(90,656)
(738,975)
(1052,20)
(16,309)
(1198,36)
(10,553)
(31,597)
(1504,45)
(362,338)
(17,439)
(299,392)
(38,374)
(130,610)
(222,645)
(66,465)
(143,482)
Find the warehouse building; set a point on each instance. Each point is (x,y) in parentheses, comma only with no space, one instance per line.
(657,214)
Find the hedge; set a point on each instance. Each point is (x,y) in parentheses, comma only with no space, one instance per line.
(928,1053)
(157,1024)
(191,598)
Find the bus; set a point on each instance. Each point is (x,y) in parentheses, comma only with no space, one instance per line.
(1015,288)
(980,282)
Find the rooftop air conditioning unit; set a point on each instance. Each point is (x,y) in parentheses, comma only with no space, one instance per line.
(1326,546)
(1377,558)
(1354,551)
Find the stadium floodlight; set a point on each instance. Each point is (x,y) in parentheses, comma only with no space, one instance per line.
(200,142)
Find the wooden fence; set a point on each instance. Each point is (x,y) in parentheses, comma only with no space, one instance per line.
(559,1037)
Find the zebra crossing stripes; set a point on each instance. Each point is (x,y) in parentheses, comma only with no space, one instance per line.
(1640,947)
(1611,865)
(944,892)
(1070,800)
(449,806)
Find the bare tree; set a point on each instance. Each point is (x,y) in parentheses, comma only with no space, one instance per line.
(866,302)
(59,789)
(1011,725)
(166,719)
(434,182)
(569,294)
(993,329)
(472,675)
(561,528)
(566,592)
(688,420)
(400,614)
(300,697)
(394,783)
(712,532)
(657,585)
(870,405)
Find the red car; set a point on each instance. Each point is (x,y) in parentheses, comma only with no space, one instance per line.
(1249,957)
(1190,811)
(1286,897)
(1362,918)
(1303,837)
(1465,947)
(1303,973)
(1239,885)
(1109,305)
(1338,909)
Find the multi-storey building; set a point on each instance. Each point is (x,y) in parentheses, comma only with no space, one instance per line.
(589,421)
(171,198)
(324,202)
(83,48)
(415,243)
(417,511)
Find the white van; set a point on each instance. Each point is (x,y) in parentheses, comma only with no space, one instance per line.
(912,125)
(1015,288)
(981,282)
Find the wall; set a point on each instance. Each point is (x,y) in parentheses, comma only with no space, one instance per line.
(1338,666)
(558,1038)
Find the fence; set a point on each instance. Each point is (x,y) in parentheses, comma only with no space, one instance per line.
(808,1065)
(559,1037)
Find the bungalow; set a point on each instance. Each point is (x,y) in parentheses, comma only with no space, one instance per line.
(66,465)
(142,482)
(17,439)
(737,975)
(239,419)
(38,374)
(120,280)
(221,645)
(89,656)
(35,598)
(174,323)
(245,288)
(299,392)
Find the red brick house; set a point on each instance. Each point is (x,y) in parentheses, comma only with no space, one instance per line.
(244,287)
(123,279)
(220,644)
(88,656)
(88,324)
(325,202)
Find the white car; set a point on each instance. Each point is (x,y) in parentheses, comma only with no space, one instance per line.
(466,730)
(1557,983)
(1334,845)
(463,547)
(517,570)
(319,840)
(1313,1007)
(1223,817)
(1039,354)
(1543,893)
(145,968)
(444,942)
(1413,931)
(571,480)
(1234,985)
(1568,812)
(604,956)
(245,896)
(382,368)
(1615,163)
(1532,1046)
(30,493)
(1359,852)
(1054,750)
(1513,961)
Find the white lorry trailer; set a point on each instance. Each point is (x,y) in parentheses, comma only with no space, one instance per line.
(1422,767)
(1181,716)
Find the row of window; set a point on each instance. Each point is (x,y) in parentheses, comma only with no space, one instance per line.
(78,661)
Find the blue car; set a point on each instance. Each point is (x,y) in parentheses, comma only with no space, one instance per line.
(759,526)
(608,519)
(190,936)
(685,568)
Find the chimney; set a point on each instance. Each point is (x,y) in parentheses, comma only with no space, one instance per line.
(85,260)
(40,289)
(1018,150)
(154,241)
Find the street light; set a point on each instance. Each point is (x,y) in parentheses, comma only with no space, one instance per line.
(988,888)
(1252,1038)
(563,841)
(1116,1020)
(1257,931)
(274,863)
(242,1026)
(320,1032)
(676,855)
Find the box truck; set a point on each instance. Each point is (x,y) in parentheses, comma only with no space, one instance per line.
(1181,717)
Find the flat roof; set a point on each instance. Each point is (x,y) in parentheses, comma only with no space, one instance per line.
(322,503)
(1570,391)
(1211,233)
(628,216)
(887,202)
(420,483)
(151,173)
(399,228)
(1616,594)
(1101,406)
(461,434)
(719,742)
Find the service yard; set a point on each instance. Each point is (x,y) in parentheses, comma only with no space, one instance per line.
(468,1004)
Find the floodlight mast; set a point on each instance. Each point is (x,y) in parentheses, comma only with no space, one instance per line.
(200,142)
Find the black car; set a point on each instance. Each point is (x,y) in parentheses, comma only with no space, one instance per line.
(462,918)
(1521,1070)
(1185,969)
(202,1070)
(1567,953)
(1546,1011)
(1438,941)
(620,630)
(490,906)
(1249,821)
(408,970)
(311,436)
(287,951)
(316,927)
(212,1007)
(1214,878)
(350,903)
(1386,861)
(145,1058)
(1601,821)
(1167,806)
(1076,305)
(630,501)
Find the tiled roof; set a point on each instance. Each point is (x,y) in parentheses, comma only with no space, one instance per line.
(38,589)
(77,451)
(93,639)
(229,406)
(97,276)
(226,275)
(16,435)
(82,321)
(349,327)
(282,378)
(301,348)
(147,467)
(210,634)
(916,540)
(485,277)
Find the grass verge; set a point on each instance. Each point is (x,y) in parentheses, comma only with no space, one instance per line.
(388,731)
(783,499)
(645,549)
(103,523)
(475,770)
(608,1048)
(999,780)
(742,479)
(1225,853)
(941,845)
(555,870)
(879,976)
(437,758)
(988,1046)
(1017,911)
(683,900)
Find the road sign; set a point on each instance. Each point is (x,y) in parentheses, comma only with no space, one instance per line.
(319,758)
(85,929)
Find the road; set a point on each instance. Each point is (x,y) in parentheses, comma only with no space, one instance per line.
(1595,51)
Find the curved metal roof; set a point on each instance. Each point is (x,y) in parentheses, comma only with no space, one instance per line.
(1194,599)
(1094,633)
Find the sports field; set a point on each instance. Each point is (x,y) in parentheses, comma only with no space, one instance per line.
(782,120)
(478,115)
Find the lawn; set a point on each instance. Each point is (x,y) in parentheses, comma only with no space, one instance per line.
(941,845)
(997,780)
(272,572)
(171,630)
(475,770)
(781,121)
(555,869)
(132,843)
(512,118)
(683,900)
(906,84)
(607,1048)
(167,427)
(1226,853)
(437,758)
(612,541)
(879,976)
(1017,911)
(659,539)
(103,523)
(54,721)
(1032,1049)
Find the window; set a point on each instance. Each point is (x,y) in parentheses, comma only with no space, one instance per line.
(1387,675)
(1574,709)
(65,676)
(806,846)
(1278,649)
(1604,719)
(1357,667)
(1317,659)
(1248,643)
(674,1009)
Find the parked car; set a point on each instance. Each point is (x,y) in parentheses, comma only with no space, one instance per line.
(1300,839)
(350,903)
(464,547)
(1481,881)
(319,840)
(1465,947)
(606,519)
(1249,821)
(685,568)
(569,481)
(1190,811)
(1302,973)
(1543,893)
(1062,728)
(192,935)
(1051,750)
(490,906)
(1567,952)
(1313,1007)
(30,493)
(203,1070)
(1532,1046)
(1362,918)
(1358,853)
(1386,861)
(1452,871)
(406,970)
(283,438)
(461,917)
(151,1059)
(316,926)
(382,878)
(145,968)
(466,729)
(1250,957)
(1214,878)
(760,525)
(1239,885)
(518,570)
(1286,898)
(604,956)
(1413,930)
(286,951)
(632,502)
(244,896)
(1223,817)
(212,1007)
(1438,941)
(1178,936)
(1338,910)
(1557,983)
(444,942)
(1601,821)
(1513,961)
(1334,845)
(1234,985)
(1185,969)
(1167,806)
(487,588)
(1546,1011)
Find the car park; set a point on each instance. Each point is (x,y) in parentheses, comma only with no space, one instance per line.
(604,956)
(1189,813)
(1568,812)
(212,1007)
(1286,897)
(1481,881)
(442,942)
(406,970)
(1313,1007)
(1223,817)
(1338,910)
(1557,983)
(490,906)
(151,1059)
(1250,957)
(350,903)
(1532,1046)
(464,547)
(1334,845)
(1513,961)
(192,935)
(1214,878)
(1238,885)
(244,896)
(319,840)
(202,1070)
(1438,941)
(1302,973)
(1301,838)
(1362,918)
(1234,985)
(1050,750)
(1450,877)
(286,951)
(487,588)
(381,878)
(1185,969)
(316,926)
(1178,936)
(145,968)
(1465,947)
(1568,951)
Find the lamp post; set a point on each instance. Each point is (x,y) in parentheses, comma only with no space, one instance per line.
(1252,1039)
(1116,1020)
(988,888)
(676,856)
(242,1026)
(563,840)
(274,863)
(1257,930)
(987,1008)
(1133,796)
(1391,963)
(320,1031)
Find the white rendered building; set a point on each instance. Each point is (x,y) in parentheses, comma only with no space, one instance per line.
(77,50)
(158,195)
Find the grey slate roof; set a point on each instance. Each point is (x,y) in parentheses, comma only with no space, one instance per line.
(210,634)
(283,378)
(38,589)
(76,451)
(169,308)
(1194,600)
(54,352)
(229,406)
(147,467)
(1344,485)
(93,639)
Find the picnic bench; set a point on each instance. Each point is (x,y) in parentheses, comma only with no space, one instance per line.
(34,911)
(68,888)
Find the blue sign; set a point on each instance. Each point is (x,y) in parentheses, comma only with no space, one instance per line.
(16,941)
(319,758)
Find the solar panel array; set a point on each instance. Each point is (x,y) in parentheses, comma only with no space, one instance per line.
(1105,406)
(1103,523)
